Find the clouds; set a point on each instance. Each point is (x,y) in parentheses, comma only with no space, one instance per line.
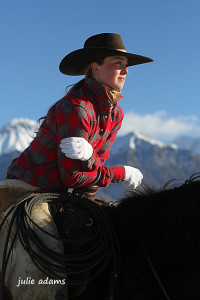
(160,126)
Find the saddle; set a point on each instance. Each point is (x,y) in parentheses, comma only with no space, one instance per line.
(14,190)
(11,190)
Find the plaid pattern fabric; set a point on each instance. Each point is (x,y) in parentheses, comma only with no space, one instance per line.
(86,113)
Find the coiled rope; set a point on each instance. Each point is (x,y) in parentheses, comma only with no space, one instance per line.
(104,250)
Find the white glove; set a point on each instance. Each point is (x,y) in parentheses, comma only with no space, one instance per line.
(133,177)
(76,148)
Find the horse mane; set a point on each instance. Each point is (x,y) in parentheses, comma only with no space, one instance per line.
(167,221)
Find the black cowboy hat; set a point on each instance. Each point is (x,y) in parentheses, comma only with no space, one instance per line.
(100,45)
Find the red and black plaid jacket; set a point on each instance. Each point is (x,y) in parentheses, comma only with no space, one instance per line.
(86,113)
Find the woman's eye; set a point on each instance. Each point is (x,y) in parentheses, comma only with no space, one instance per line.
(118,63)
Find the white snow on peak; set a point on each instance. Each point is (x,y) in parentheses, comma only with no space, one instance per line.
(155,142)
(131,142)
(132,139)
(17,135)
(149,140)
(122,143)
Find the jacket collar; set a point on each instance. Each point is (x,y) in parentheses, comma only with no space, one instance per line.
(104,94)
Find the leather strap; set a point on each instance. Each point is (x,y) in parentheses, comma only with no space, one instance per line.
(87,191)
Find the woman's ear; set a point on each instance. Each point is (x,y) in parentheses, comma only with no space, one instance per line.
(95,68)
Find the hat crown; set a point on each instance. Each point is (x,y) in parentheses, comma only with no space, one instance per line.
(105,40)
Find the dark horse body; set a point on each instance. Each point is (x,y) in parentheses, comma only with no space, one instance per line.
(159,236)
(147,247)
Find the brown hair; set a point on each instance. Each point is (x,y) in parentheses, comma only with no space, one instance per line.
(77,85)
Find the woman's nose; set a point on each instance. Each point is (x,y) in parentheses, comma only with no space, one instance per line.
(124,71)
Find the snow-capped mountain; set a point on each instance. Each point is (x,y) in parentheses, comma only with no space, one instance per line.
(14,138)
(17,135)
(134,139)
(159,162)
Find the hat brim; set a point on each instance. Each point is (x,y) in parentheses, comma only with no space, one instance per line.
(75,62)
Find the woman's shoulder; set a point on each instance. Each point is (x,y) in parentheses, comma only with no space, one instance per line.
(76,98)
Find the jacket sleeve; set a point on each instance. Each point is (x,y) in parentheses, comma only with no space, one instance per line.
(71,121)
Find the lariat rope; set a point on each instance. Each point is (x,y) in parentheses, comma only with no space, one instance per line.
(104,250)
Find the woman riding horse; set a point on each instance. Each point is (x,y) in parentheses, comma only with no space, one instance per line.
(75,137)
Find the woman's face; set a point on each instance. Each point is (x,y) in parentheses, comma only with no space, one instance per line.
(112,72)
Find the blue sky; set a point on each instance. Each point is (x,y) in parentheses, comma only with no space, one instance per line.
(161,99)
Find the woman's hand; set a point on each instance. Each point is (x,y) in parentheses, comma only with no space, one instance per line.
(76,148)
(133,177)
